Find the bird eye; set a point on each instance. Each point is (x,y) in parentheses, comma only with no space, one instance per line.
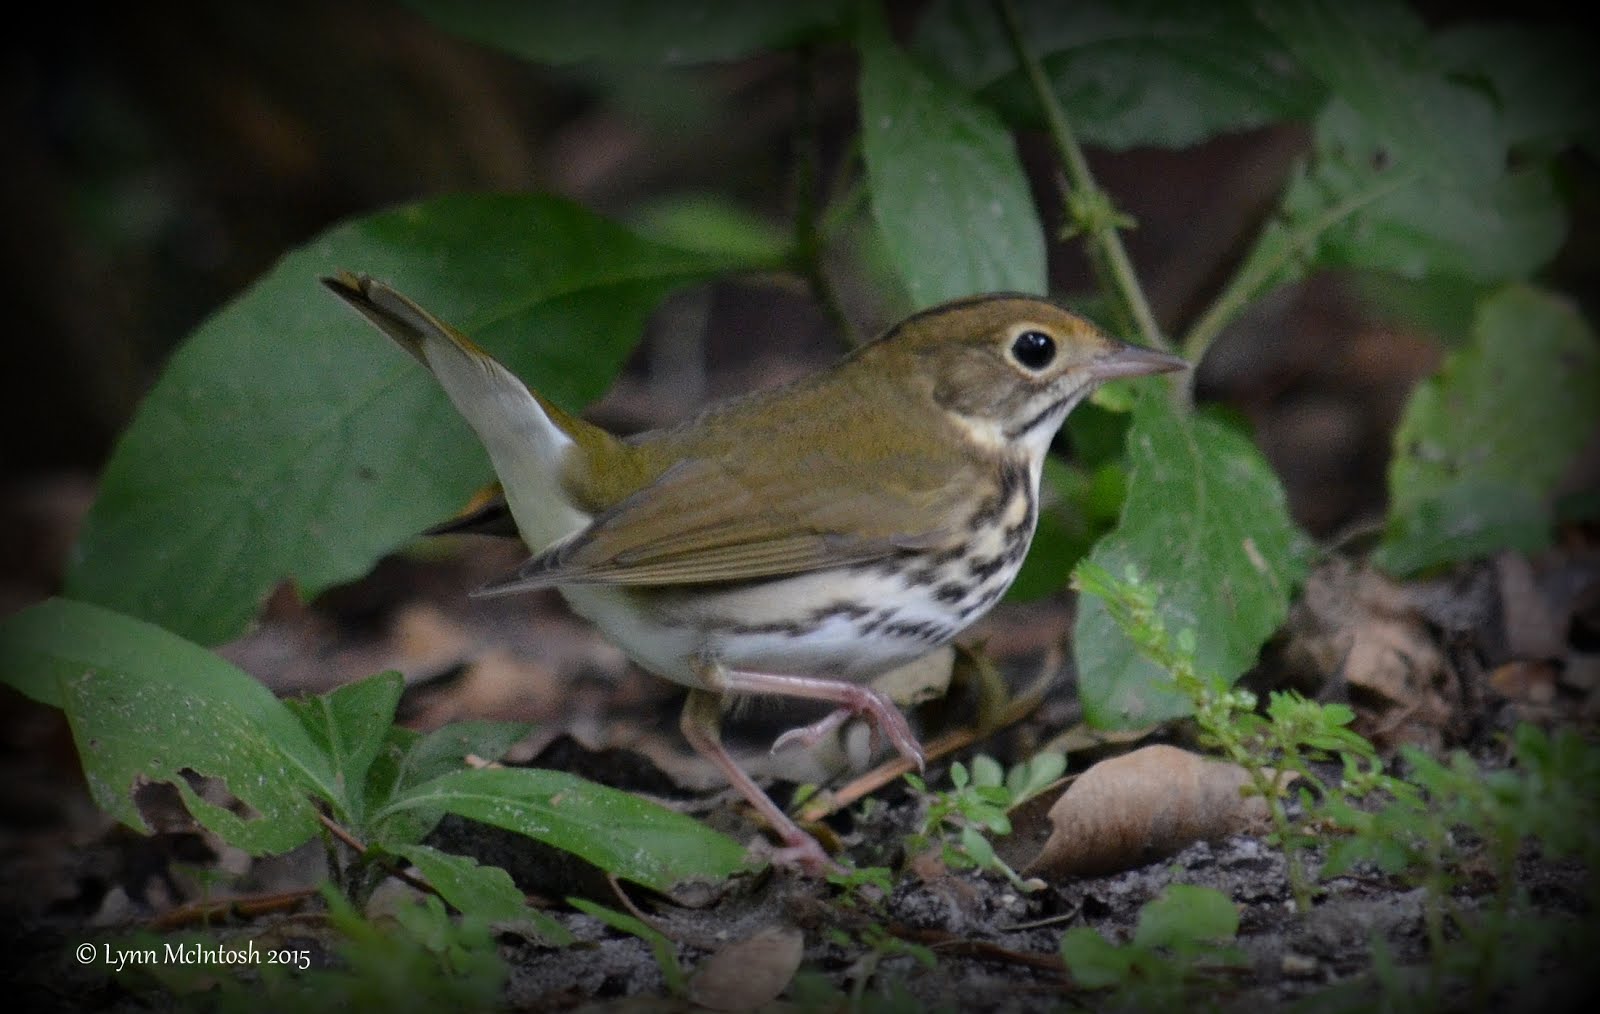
(1034,349)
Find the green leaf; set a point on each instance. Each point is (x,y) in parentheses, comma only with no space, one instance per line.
(1207,526)
(1031,777)
(485,892)
(1185,917)
(350,725)
(1541,77)
(977,847)
(1417,224)
(145,704)
(1483,446)
(987,772)
(1150,72)
(1411,171)
(410,758)
(1095,962)
(446,748)
(631,31)
(1376,57)
(711,224)
(1354,205)
(618,832)
(288,440)
(948,190)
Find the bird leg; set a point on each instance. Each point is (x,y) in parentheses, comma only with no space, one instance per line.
(702,727)
(852,699)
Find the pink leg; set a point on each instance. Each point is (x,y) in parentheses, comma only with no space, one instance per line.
(702,727)
(851,698)
(811,735)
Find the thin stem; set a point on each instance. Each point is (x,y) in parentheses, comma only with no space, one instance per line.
(1109,255)
(355,844)
(1246,285)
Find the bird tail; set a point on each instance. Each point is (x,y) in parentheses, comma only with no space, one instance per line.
(527,438)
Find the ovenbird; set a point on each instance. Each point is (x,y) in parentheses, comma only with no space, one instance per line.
(798,541)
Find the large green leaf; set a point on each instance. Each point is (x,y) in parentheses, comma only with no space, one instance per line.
(350,724)
(1353,206)
(620,833)
(1148,72)
(948,189)
(631,31)
(287,439)
(1542,76)
(1484,444)
(410,758)
(1376,57)
(1207,526)
(145,704)
(1412,170)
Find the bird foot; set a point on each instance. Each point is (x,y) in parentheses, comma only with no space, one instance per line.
(805,854)
(885,719)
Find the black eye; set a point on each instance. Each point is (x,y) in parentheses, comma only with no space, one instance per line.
(1034,349)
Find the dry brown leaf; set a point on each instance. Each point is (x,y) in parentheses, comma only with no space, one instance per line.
(1527,681)
(1358,625)
(1130,810)
(749,973)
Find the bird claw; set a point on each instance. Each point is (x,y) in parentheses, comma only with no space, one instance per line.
(884,719)
(810,735)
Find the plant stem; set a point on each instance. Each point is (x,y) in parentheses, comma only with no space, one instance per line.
(1258,271)
(1108,254)
(338,831)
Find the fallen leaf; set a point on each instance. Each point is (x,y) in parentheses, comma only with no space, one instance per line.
(1380,638)
(749,973)
(1526,681)
(1141,806)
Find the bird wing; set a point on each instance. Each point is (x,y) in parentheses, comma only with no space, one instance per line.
(701,521)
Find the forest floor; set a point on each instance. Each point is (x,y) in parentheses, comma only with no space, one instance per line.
(1451,663)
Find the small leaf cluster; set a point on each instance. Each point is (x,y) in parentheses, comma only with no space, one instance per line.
(1451,817)
(415,956)
(1441,820)
(1182,941)
(977,802)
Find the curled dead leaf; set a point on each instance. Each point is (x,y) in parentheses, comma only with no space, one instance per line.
(1130,810)
(749,973)
(1381,638)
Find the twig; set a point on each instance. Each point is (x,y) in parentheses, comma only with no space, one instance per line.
(248,907)
(1090,207)
(949,943)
